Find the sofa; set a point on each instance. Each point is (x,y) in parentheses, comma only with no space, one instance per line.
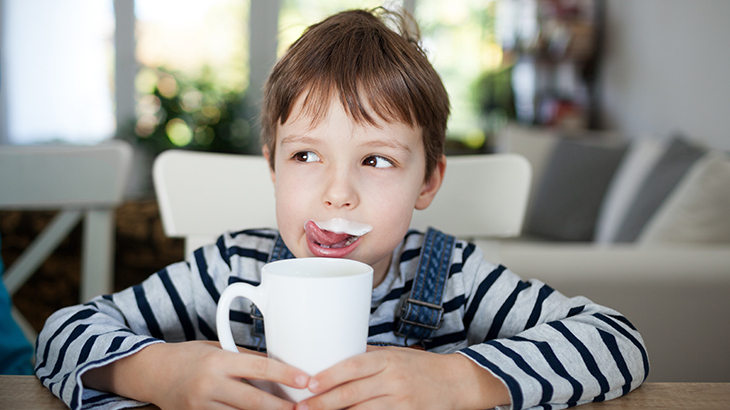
(638,224)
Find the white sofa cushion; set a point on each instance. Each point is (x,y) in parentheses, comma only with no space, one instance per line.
(698,210)
(642,155)
(679,157)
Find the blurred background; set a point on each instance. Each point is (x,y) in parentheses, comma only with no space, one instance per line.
(187,74)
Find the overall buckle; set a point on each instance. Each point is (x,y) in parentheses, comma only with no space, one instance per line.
(404,311)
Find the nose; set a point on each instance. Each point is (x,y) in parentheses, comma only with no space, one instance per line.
(340,191)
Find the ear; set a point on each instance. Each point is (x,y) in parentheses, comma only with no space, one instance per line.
(431,187)
(267,156)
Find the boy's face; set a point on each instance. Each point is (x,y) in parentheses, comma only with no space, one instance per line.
(360,173)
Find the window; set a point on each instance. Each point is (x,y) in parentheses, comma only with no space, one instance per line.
(58,70)
(459,38)
(193,67)
(195,39)
(193,75)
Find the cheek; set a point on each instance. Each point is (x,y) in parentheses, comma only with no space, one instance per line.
(398,188)
(288,194)
(391,202)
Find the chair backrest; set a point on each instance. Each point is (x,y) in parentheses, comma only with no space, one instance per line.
(201,195)
(84,183)
(482,196)
(63,176)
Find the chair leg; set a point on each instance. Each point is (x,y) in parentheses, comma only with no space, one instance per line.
(98,254)
(32,258)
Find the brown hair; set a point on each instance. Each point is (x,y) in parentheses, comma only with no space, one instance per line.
(357,57)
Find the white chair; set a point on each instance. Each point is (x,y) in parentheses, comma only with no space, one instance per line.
(83,182)
(202,195)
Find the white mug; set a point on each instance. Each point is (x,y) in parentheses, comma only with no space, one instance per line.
(316,313)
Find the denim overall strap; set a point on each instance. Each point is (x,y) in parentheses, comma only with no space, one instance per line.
(422,312)
(279,252)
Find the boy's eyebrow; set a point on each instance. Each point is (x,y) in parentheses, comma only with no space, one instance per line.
(302,139)
(388,144)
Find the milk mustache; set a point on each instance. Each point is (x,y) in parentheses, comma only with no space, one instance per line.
(339,225)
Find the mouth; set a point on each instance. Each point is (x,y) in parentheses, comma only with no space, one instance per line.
(340,244)
(336,238)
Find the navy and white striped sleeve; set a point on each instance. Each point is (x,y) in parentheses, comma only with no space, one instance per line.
(175,304)
(548,349)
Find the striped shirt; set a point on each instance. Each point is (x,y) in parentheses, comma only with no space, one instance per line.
(551,351)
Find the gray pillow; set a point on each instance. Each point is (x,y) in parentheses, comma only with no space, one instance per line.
(569,197)
(677,159)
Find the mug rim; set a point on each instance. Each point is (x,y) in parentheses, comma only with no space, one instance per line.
(362,268)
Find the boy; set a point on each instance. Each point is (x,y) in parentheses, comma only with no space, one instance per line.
(353,125)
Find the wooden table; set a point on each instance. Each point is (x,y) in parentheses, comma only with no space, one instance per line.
(27,393)
(670,396)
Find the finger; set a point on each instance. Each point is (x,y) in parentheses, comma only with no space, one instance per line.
(240,349)
(219,406)
(377,403)
(354,368)
(247,366)
(253,352)
(356,393)
(241,395)
(215,405)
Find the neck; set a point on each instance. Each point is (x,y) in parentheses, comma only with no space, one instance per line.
(380,270)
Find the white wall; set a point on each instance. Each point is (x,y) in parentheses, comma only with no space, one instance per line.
(666,69)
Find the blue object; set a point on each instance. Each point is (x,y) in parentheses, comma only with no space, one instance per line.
(15,351)
(421,314)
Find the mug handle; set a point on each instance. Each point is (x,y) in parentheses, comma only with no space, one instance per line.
(222,315)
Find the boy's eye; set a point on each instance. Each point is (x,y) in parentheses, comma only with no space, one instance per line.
(306,156)
(377,162)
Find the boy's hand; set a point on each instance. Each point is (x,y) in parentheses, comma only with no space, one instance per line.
(196,375)
(402,378)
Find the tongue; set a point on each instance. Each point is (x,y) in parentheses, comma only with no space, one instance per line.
(323,237)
